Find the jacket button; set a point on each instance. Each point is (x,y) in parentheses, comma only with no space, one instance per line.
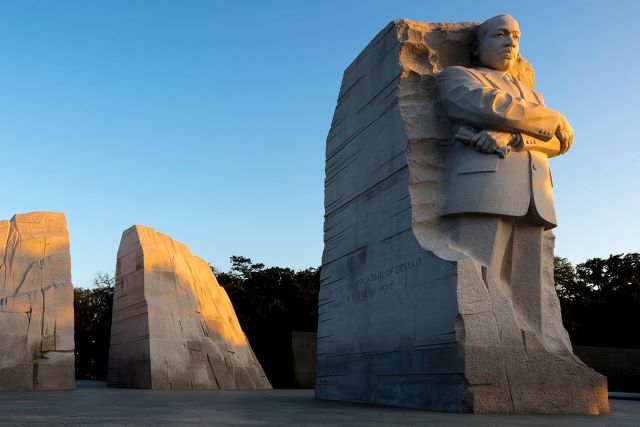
(533,165)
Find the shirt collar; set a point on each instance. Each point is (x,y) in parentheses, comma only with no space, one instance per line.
(500,74)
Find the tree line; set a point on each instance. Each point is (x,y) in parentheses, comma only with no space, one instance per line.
(600,302)
(271,303)
(92,315)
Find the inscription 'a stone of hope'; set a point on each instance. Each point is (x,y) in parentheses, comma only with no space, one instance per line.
(380,282)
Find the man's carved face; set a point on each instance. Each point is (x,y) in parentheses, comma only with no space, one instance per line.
(499,42)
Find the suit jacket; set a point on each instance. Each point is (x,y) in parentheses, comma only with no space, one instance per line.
(484,183)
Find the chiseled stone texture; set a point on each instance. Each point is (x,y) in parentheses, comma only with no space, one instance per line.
(36,304)
(405,318)
(173,325)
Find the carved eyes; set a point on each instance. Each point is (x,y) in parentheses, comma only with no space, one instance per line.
(503,34)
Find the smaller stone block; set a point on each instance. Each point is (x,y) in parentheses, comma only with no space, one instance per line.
(173,325)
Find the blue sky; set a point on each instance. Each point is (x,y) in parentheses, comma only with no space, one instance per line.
(207,120)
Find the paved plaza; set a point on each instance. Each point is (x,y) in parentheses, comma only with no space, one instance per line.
(93,403)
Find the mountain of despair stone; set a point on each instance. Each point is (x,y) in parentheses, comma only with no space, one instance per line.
(36,304)
(173,325)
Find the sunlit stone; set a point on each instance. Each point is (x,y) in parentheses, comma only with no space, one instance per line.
(173,325)
(36,304)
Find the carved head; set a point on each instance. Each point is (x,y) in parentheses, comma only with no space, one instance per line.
(497,42)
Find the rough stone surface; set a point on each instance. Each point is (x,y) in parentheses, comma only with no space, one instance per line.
(173,325)
(406,317)
(36,304)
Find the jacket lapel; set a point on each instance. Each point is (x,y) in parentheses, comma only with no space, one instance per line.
(527,93)
(499,83)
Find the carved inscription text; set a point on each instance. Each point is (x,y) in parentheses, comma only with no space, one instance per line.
(379,282)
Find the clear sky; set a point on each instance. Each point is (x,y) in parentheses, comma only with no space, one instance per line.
(207,120)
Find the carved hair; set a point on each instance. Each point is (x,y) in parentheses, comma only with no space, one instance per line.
(481,30)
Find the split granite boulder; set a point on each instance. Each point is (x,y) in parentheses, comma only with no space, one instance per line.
(36,304)
(173,325)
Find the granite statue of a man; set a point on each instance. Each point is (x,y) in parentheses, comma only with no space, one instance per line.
(506,203)
(506,113)
(437,286)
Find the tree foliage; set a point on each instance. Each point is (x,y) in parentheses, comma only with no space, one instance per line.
(92,315)
(600,300)
(271,303)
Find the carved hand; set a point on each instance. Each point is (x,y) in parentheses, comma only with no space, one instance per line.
(564,133)
(487,141)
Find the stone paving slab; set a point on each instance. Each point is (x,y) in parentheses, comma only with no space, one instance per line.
(92,403)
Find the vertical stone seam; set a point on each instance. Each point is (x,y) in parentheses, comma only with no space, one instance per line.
(512,401)
(213,372)
(4,258)
(146,303)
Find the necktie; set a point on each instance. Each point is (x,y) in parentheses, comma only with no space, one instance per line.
(508,77)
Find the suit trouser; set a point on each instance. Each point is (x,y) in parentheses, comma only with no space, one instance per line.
(517,355)
(510,253)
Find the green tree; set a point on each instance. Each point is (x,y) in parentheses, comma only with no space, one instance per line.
(600,300)
(92,315)
(271,303)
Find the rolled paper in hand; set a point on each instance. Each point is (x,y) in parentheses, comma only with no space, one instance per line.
(465,135)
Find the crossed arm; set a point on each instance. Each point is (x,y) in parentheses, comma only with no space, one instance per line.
(501,118)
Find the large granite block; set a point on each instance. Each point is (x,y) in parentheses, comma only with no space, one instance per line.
(406,316)
(36,304)
(173,325)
